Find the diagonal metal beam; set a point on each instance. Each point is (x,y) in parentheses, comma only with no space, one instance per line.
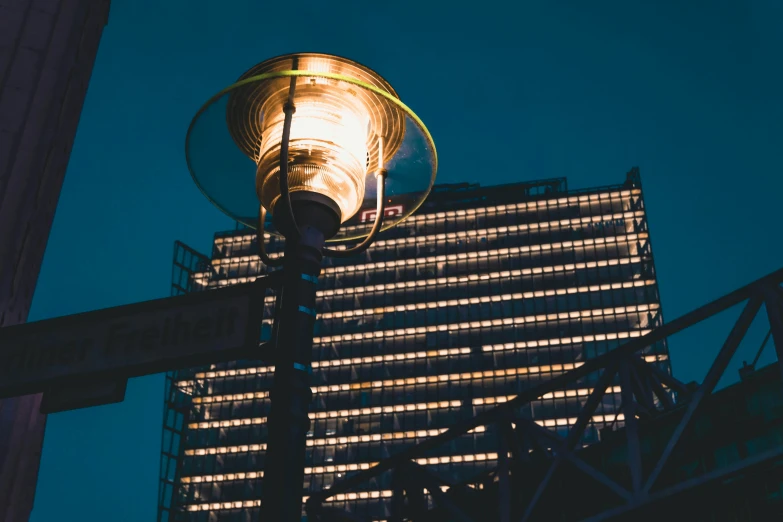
(774,302)
(761,348)
(540,490)
(542,437)
(547,437)
(558,383)
(592,402)
(664,378)
(659,391)
(631,427)
(591,472)
(425,480)
(712,378)
(642,390)
(537,434)
(742,466)
(574,434)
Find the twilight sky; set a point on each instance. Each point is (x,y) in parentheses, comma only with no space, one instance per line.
(690,91)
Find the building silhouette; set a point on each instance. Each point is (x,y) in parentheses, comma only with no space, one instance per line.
(482,293)
(47,51)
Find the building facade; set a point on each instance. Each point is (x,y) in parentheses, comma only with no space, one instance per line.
(483,292)
(47,51)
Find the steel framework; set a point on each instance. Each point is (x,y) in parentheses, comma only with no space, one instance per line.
(522,445)
(178,403)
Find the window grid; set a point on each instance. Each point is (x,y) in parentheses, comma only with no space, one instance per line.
(475,314)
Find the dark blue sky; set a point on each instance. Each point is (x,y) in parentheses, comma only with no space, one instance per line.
(690,91)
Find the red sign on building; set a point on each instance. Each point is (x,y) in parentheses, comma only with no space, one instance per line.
(369,214)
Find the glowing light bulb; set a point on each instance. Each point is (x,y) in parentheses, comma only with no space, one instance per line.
(341,130)
(328,147)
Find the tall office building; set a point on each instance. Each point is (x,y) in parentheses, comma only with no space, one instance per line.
(484,292)
(47,51)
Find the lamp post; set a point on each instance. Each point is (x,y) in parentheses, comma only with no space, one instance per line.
(298,146)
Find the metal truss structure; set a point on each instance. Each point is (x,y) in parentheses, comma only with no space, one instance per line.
(178,404)
(532,460)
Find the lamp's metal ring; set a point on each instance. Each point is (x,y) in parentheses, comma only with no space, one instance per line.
(305,73)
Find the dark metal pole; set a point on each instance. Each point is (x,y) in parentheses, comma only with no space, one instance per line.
(290,396)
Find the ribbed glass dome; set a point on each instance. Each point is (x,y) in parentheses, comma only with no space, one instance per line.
(348,123)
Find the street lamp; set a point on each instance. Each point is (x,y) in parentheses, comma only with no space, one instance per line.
(318,149)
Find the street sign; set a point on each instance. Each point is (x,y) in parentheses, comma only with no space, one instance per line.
(81,394)
(127,341)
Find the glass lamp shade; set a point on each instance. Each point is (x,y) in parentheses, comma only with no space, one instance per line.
(348,123)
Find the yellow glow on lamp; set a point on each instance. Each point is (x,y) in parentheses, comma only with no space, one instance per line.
(338,131)
(324,133)
(327,153)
